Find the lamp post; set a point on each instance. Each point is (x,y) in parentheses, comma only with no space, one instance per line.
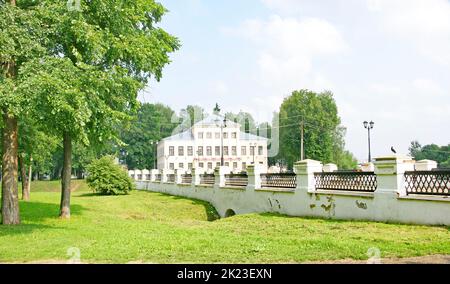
(369,126)
(222,126)
(155,154)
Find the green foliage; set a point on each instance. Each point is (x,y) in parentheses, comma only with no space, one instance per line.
(323,138)
(440,154)
(153,123)
(245,119)
(23,37)
(107,178)
(191,115)
(97,61)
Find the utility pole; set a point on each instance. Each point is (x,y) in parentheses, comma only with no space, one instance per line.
(302,153)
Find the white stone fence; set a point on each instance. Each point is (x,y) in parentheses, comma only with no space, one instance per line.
(398,190)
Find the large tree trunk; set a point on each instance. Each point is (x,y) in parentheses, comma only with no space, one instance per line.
(66,177)
(23,176)
(10,191)
(30,176)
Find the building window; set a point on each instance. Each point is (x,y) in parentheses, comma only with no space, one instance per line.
(209,135)
(139,177)
(171,151)
(217,151)
(209,166)
(171,166)
(225,151)
(233,135)
(180,151)
(181,166)
(217,164)
(243,151)
(190,151)
(217,135)
(189,166)
(200,135)
(260,150)
(225,135)
(252,150)
(244,166)
(235,165)
(209,151)
(227,164)
(200,150)
(147,177)
(132,176)
(200,165)
(234,150)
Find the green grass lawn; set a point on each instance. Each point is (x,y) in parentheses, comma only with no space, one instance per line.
(154,228)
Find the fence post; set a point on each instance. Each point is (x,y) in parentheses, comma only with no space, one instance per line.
(305,174)
(426,165)
(254,177)
(178,176)
(219,175)
(196,176)
(390,171)
(329,168)
(164,174)
(153,174)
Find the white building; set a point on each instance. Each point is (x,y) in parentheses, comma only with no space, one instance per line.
(200,147)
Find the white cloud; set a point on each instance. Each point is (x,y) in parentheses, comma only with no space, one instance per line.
(287,47)
(424,23)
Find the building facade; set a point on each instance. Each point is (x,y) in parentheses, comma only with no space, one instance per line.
(201,147)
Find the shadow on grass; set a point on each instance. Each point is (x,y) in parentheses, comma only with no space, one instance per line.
(33,214)
(210,211)
(93,194)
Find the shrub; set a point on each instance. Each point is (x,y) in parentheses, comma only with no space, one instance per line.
(107,178)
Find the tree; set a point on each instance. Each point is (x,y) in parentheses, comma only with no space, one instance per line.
(343,158)
(153,123)
(33,144)
(22,35)
(245,119)
(318,113)
(102,56)
(195,114)
(440,154)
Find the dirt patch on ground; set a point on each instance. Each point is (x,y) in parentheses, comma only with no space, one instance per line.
(429,259)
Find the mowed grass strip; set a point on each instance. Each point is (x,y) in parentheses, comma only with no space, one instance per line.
(154,228)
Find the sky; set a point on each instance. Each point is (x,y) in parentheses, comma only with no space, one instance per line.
(384,60)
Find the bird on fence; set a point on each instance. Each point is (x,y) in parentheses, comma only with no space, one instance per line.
(393,150)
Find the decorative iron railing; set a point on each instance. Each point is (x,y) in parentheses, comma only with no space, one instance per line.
(239,180)
(186,179)
(171,178)
(207,179)
(158,178)
(346,181)
(435,182)
(284,180)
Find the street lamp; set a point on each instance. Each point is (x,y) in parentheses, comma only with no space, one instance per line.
(222,126)
(154,152)
(369,126)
